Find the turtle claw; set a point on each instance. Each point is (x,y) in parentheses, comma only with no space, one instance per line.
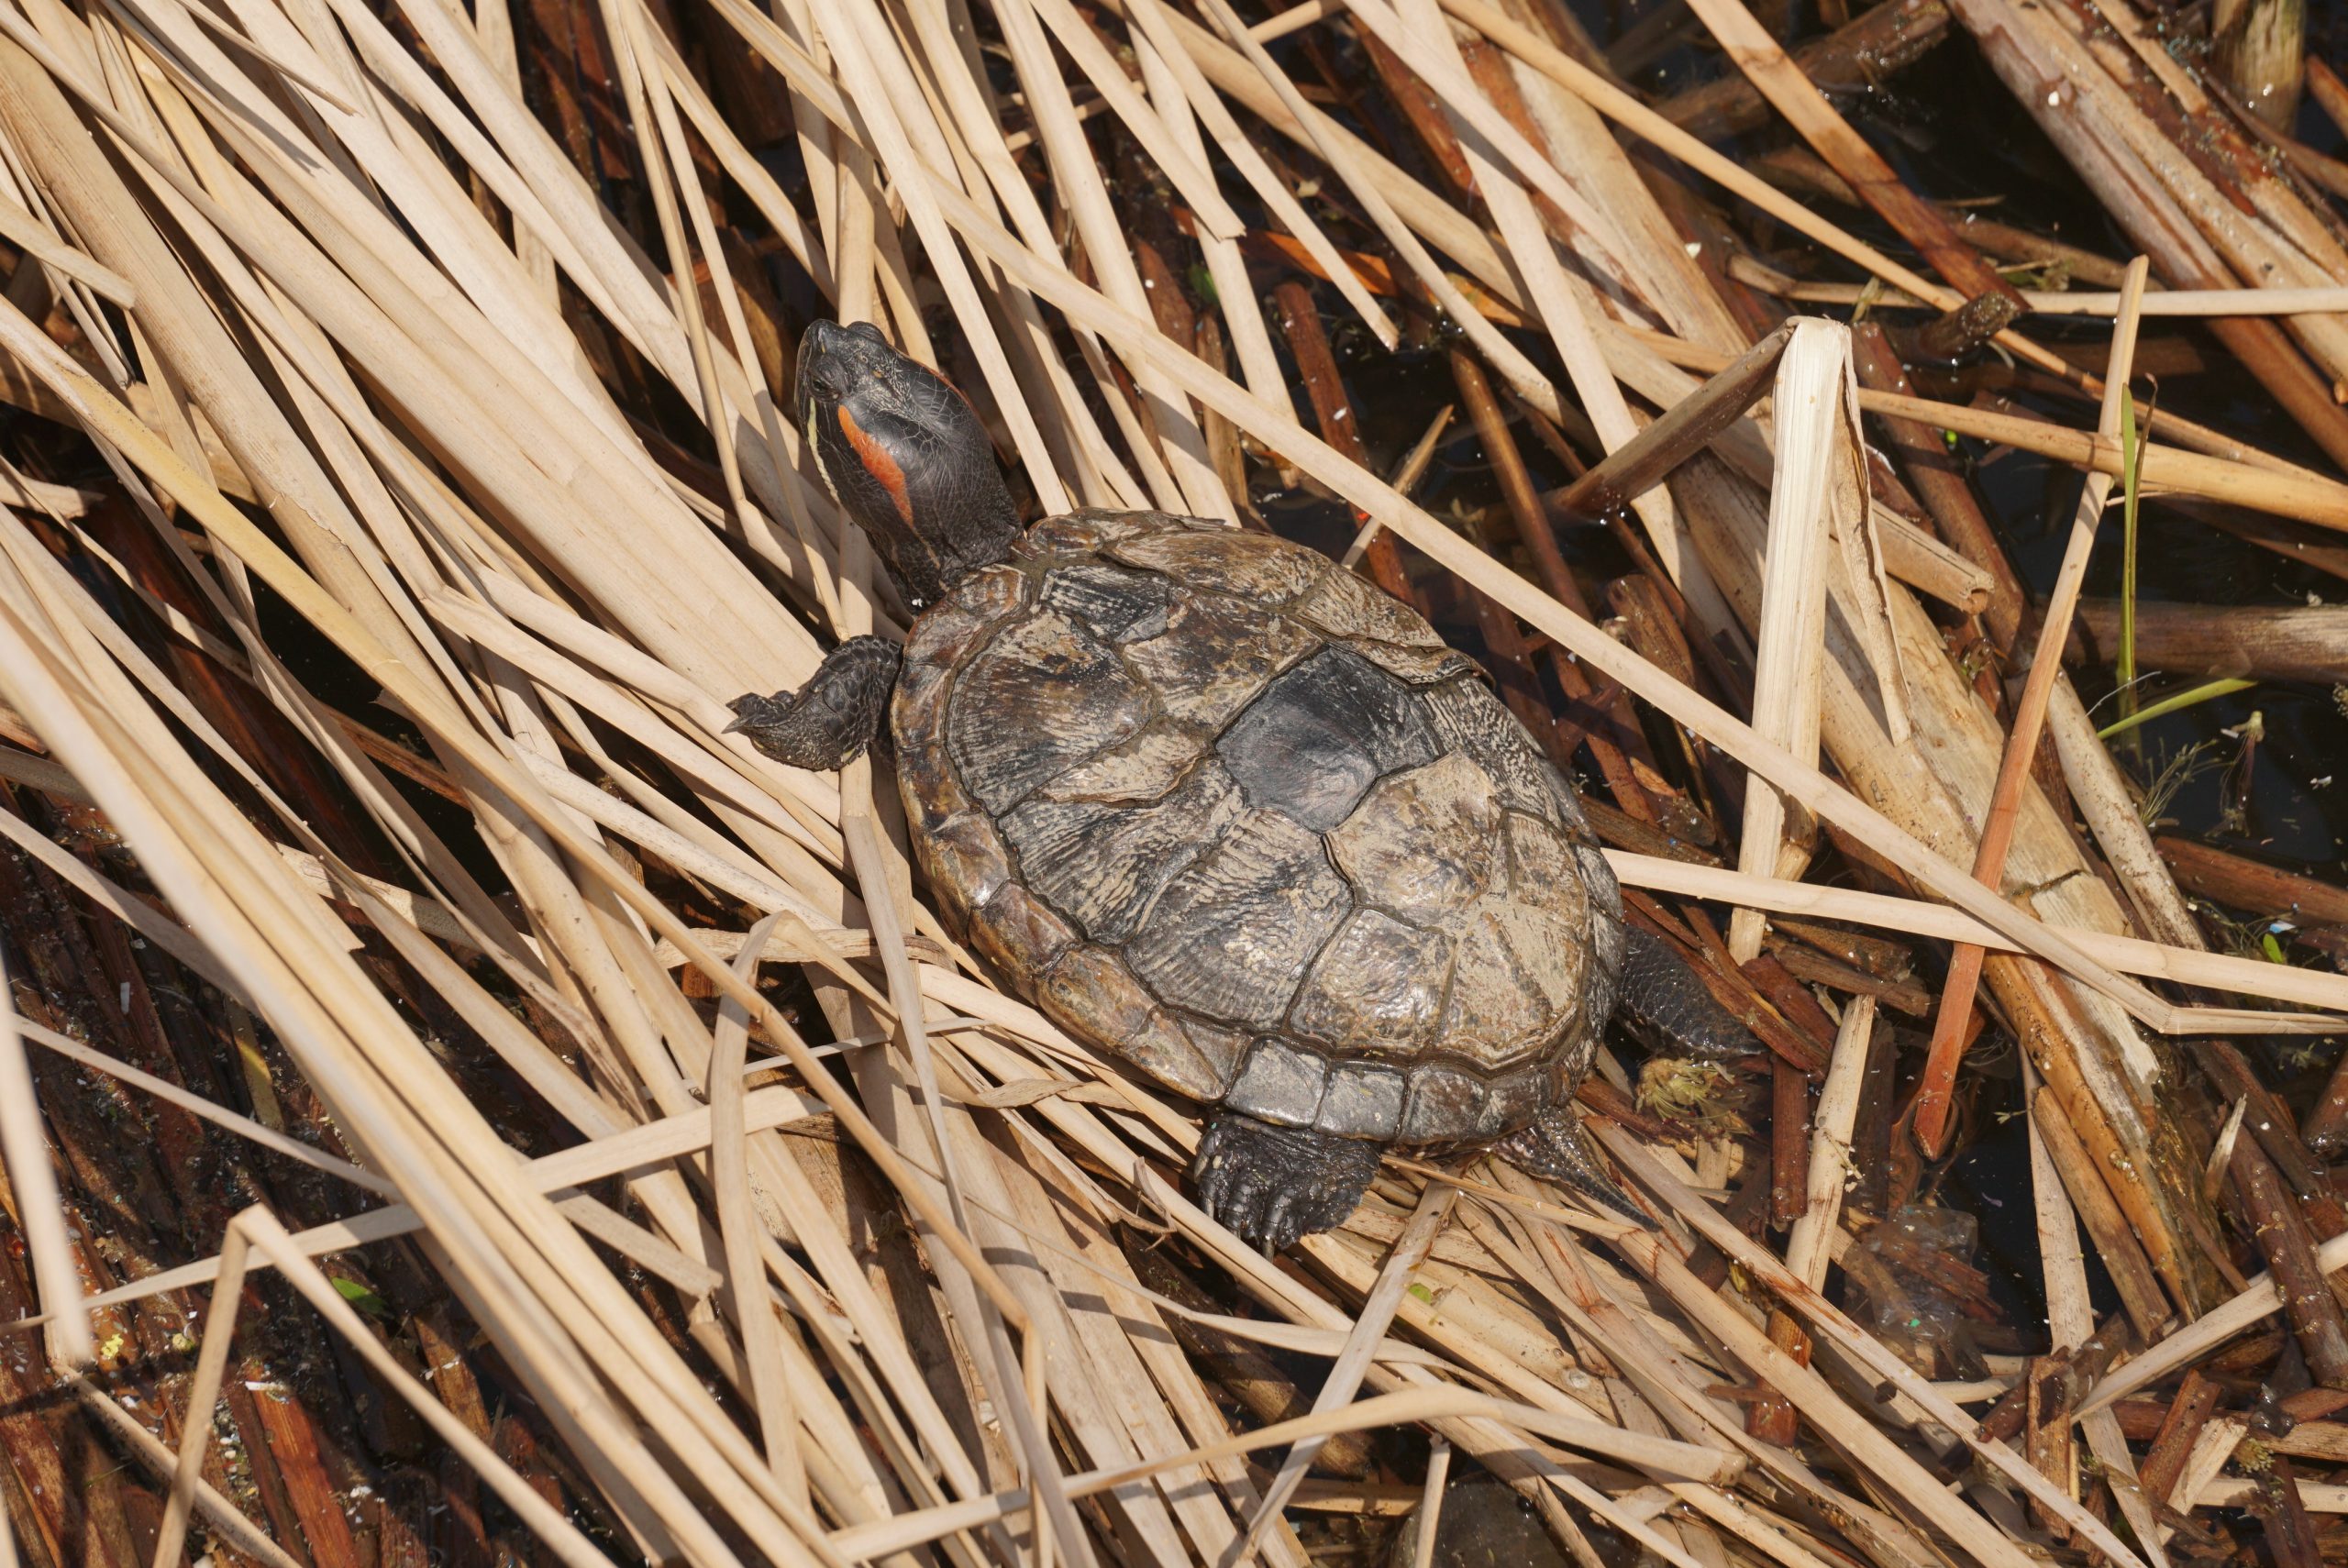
(1276,1224)
(1276,1185)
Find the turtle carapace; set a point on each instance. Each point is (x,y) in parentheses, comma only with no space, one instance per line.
(1228,813)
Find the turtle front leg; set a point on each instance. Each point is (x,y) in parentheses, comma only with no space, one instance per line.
(1275,1185)
(1554,1146)
(828,722)
(1669,1010)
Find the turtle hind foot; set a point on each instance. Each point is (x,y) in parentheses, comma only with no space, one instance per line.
(826,723)
(1554,1146)
(1668,1009)
(1276,1185)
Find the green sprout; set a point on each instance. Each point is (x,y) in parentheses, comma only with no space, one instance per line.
(2130,449)
(2201,693)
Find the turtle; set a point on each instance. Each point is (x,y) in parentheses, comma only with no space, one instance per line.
(1227,812)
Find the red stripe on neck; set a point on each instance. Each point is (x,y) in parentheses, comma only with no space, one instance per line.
(879,464)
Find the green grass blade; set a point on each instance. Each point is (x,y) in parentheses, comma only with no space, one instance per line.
(2172,705)
(2124,671)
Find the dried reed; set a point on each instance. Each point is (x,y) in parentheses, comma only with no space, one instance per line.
(888,1298)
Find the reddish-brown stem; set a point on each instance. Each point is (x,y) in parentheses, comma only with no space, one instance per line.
(2022,744)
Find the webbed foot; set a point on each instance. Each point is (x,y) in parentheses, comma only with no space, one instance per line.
(1669,1010)
(828,722)
(1554,1146)
(1275,1185)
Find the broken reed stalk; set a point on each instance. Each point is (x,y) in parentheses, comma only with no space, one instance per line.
(1621,106)
(1934,1091)
(2158,302)
(204,1390)
(2258,1299)
(2281,1232)
(1430,1516)
(1818,493)
(2306,643)
(1566,305)
(2071,1325)
(2260,46)
(1872,45)
(221,1514)
(552,1529)
(736,1221)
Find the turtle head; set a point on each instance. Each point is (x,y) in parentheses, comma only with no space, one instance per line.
(902,451)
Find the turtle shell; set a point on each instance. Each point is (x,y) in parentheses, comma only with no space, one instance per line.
(1231,813)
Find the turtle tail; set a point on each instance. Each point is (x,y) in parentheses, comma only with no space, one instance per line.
(1554,1147)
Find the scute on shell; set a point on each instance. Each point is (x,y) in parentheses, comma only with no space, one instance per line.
(1548,871)
(1281,1084)
(1444,1104)
(1363,1100)
(1320,735)
(1162,1051)
(1258,567)
(1380,628)
(1223,1049)
(1512,983)
(966,859)
(1570,816)
(1138,770)
(1352,611)
(1093,994)
(1609,942)
(1418,666)
(1231,937)
(917,721)
(1423,843)
(1537,854)
(1120,606)
(1071,695)
(1377,989)
(1517,1096)
(1103,866)
(1467,717)
(1213,655)
(1019,934)
(979,601)
(1090,990)
(1091,529)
